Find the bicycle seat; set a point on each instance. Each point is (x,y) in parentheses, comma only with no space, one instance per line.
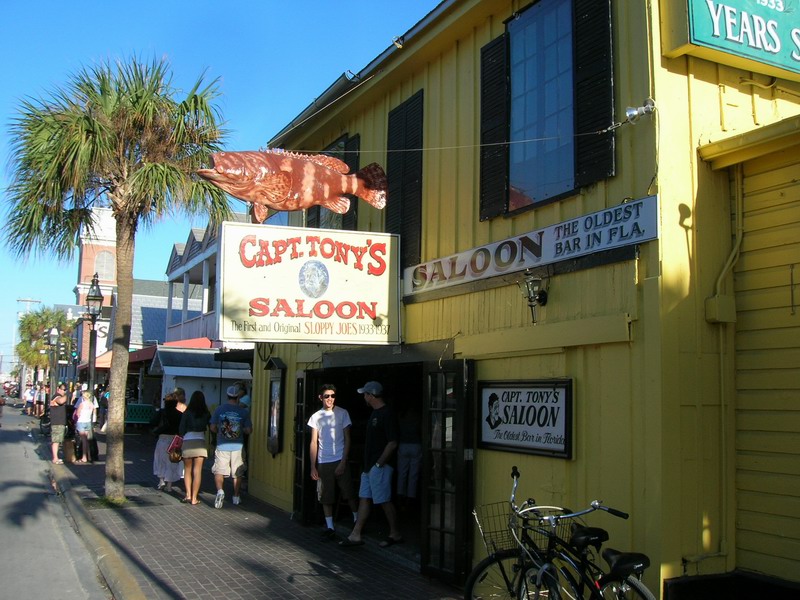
(583,537)
(625,563)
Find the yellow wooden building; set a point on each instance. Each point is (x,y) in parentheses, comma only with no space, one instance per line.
(622,158)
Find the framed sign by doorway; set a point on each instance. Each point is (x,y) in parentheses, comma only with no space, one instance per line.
(526,416)
(277,394)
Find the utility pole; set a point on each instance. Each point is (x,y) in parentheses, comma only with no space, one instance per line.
(23,371)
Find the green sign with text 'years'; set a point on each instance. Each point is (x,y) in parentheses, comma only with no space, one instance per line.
(767,31)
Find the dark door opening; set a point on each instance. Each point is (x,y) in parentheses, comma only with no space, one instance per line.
(433,399)
(403,389)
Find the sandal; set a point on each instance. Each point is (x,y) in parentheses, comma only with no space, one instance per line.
(390,541)
(58,461)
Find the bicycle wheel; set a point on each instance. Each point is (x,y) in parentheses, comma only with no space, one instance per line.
(629,589)
(496,576)
(530,587)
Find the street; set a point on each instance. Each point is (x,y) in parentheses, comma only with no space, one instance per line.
(41,555)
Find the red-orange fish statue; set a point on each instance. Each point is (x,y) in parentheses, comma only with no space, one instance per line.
(292,181)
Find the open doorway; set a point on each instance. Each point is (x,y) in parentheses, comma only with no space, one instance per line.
(403,391)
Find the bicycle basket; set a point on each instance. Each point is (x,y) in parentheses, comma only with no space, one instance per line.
(539,527)
(495,522)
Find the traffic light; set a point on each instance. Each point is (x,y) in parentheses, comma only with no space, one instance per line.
(75,357)
(62,351)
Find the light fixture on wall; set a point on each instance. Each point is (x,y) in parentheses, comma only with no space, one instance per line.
(534,288)
(398,42)
(634,113)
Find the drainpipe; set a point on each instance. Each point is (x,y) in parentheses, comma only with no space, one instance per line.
(721,309)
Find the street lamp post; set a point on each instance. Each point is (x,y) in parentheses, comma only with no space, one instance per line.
(94,304)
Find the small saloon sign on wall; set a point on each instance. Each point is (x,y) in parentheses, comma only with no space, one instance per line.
(527,416)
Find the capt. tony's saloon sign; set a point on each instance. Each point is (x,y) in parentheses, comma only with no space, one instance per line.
(526,416)
(290,284)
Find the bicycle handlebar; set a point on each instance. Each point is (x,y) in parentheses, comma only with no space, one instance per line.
(608,509)
(529,505)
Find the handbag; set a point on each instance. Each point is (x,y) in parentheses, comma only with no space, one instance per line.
(174,450)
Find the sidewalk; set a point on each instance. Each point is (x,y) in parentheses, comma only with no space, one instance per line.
(155,547)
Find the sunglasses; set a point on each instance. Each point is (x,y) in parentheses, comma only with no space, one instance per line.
(329,395)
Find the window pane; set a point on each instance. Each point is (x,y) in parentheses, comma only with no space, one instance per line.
(542,160)
(105,266)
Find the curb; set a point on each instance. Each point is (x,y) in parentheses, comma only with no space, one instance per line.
(122,584)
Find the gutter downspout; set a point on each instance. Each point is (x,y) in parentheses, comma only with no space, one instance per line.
(718,310)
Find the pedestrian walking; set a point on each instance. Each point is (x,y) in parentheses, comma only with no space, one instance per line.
(376,478)
(329,450)
(58,421)
(168,425)
(230,422)
(42,393)
(84,422)
(193,426)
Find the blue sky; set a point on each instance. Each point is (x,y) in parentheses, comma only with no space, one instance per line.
(272,59)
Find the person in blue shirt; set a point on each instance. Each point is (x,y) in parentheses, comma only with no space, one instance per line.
(231,422)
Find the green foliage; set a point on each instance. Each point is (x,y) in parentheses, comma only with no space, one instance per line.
(116,136)
(33,329)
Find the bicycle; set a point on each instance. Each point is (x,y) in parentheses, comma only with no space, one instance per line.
(532,559)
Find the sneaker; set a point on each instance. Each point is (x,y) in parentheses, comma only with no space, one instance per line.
(219,499)
(328,534)
(237,500)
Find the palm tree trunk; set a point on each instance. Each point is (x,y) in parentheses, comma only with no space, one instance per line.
(115,459)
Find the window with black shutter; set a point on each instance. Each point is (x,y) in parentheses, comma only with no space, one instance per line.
(404,174)
(345,149)
(546,93)
(352,146)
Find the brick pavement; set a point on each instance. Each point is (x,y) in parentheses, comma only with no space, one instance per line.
(255,550)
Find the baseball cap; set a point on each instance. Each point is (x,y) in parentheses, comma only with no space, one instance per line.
(371,387)
(233,392)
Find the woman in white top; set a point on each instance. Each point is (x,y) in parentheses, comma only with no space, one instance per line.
(84,421)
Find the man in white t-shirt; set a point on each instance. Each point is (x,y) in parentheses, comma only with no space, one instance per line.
(329,449)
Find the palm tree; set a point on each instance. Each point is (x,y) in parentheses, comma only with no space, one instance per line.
(117,137)
(33,329)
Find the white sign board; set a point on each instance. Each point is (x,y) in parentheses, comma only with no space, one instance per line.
(528,416)
(290,284)
(633,222)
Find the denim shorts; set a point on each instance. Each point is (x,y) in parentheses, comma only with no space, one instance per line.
(377,484)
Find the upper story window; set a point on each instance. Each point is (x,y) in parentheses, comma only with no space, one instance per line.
(105,266)
(546,92)
(345,149)
(404,174)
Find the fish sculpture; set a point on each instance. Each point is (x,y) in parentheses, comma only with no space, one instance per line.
(287,181)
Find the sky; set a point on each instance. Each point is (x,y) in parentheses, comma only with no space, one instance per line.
(272,58)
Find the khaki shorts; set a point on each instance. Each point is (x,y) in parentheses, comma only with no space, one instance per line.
(57,433)
(228,463)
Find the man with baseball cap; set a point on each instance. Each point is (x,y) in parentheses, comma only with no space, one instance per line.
(230,422)
(376,478)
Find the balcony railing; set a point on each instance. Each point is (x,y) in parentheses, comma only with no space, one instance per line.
(197,327)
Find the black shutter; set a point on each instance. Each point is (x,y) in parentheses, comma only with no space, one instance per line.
(404,173)
(312,216)
(594,90)
(351,149)
(495,94)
